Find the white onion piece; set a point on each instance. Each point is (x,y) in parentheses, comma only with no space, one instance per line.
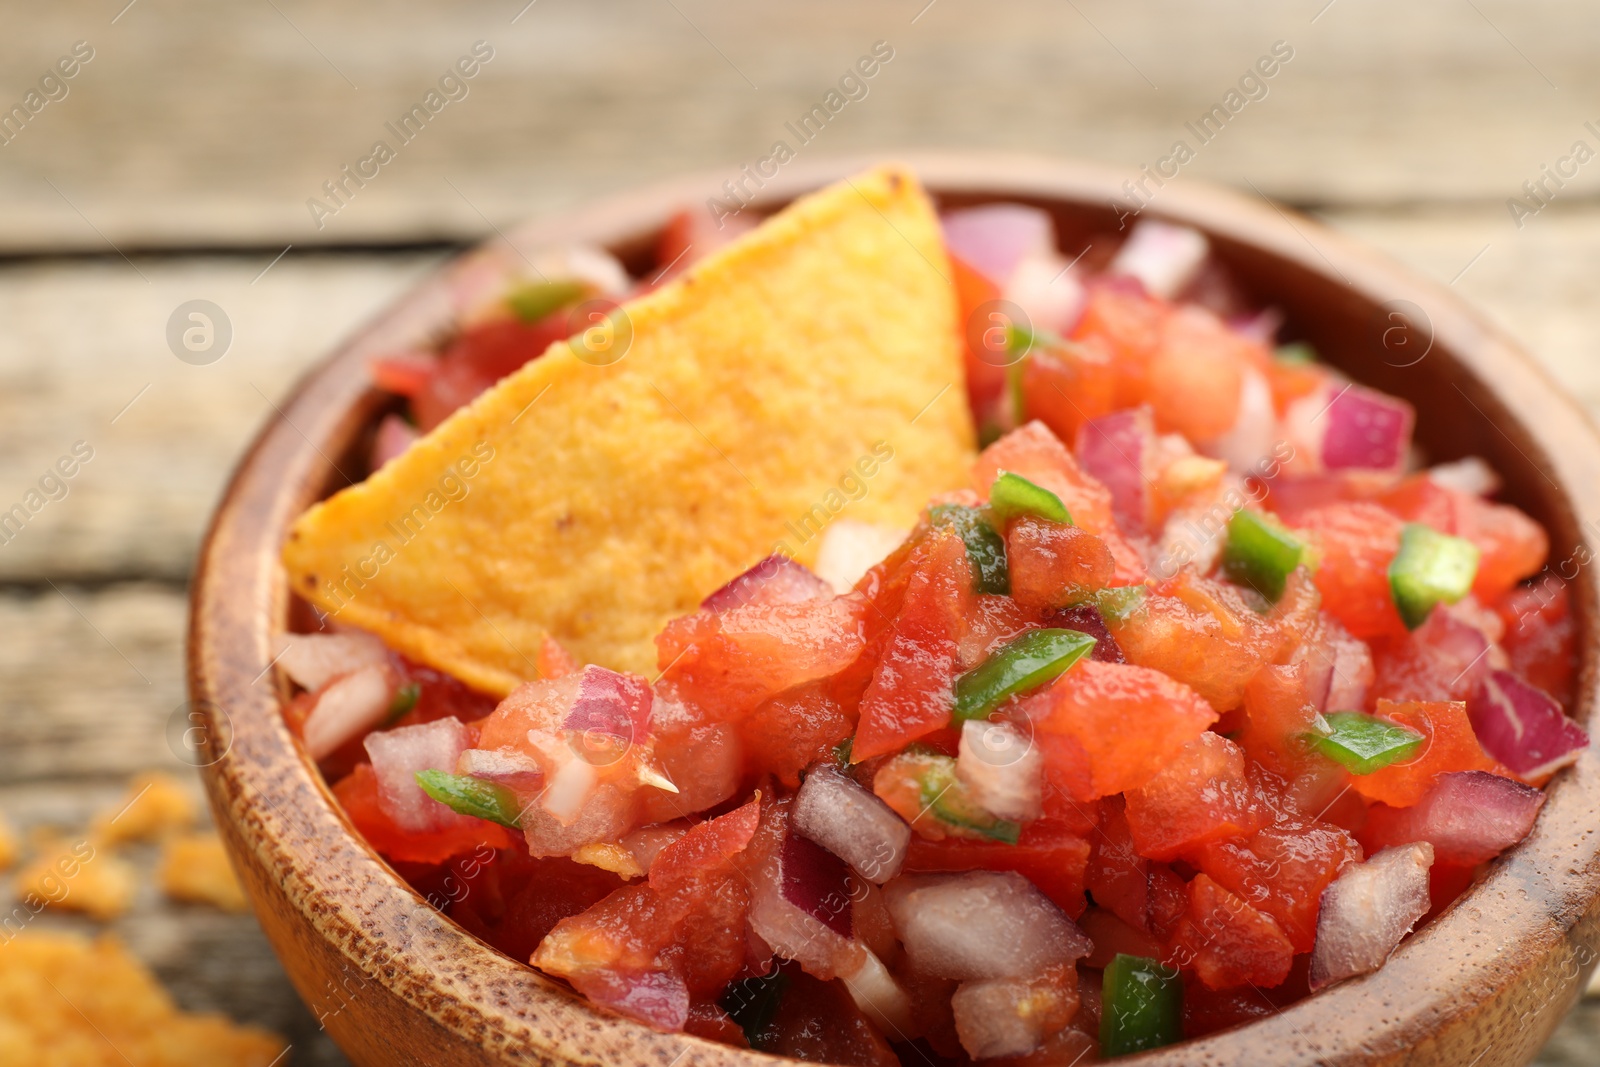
(397,757)
(570,787)
(1470,474)
(1251,439)
(1009,1016)
(1166,258)
(1367,910)
(981,924)
(1001,769)
(851,822)
(314,660)
(348,707)
(850,548)
(1052,296)
(880,998)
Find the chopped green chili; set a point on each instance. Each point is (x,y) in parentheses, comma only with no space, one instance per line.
(472,796)
(1430,568)
(985,548)
(1141,1006)
(1012,496)
(1260,553)
(1363,743)
(535,300)
(1023,663)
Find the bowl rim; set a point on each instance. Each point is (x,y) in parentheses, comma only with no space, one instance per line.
(1539,903)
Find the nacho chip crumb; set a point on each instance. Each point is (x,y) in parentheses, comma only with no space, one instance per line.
(78,877)
(195,869)
(155,805)
(9,846)
(67,1000)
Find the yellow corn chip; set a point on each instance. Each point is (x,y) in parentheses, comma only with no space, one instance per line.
(809,370)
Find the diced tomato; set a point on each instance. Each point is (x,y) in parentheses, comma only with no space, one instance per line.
(1205,634)
(1130,324)
(1539,637)
(1440,660)
(1449,745)
(1051,858)
(994,621)
(792,731)
(1067,387)
(554,661)
(1201,795)
(1054,566)
(708,1020)
(1282,870)
(1278,714)
(1228,943)
(1511,546)
(1290,496)
(986,370)
(1206,1011)
(405,373)
(1169,901)
(357,794)
(707,850)
(1196,374)
(1291,381)
(912,691)
(729,662)
(1109,727)
(1357,542)
(1117,876)
(481,356)
(440,696)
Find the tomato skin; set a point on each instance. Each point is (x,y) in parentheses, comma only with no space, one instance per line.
(1051,857)
(357,794)
(1196,375)
(1449,745)
(481,356)
(790,732)
(912,690)
(1117,875)
(690,236)
(986,371)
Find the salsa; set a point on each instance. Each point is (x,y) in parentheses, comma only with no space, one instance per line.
(1198,698)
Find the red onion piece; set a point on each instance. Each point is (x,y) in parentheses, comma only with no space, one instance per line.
(1113,450)
(850,822)
(817,882)
(397,756)
(1367,910)
(346,708)
(995,238)
(617,705)
(1259,326)
(1467,816)
(1166,258)
(394,436)
(1522,726)
(514,770)
(314,660)
(659,998)
(775,580)
(1086,619)
(981,924)
(1367,429)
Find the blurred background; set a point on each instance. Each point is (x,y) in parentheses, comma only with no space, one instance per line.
(181,159)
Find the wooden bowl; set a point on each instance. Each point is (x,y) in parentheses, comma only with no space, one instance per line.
(396,981)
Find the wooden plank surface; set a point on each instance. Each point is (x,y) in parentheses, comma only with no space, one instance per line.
(213,124)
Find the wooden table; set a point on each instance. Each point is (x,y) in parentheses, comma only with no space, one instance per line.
(179,164)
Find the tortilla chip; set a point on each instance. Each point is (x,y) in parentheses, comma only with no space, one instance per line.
(809,370)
